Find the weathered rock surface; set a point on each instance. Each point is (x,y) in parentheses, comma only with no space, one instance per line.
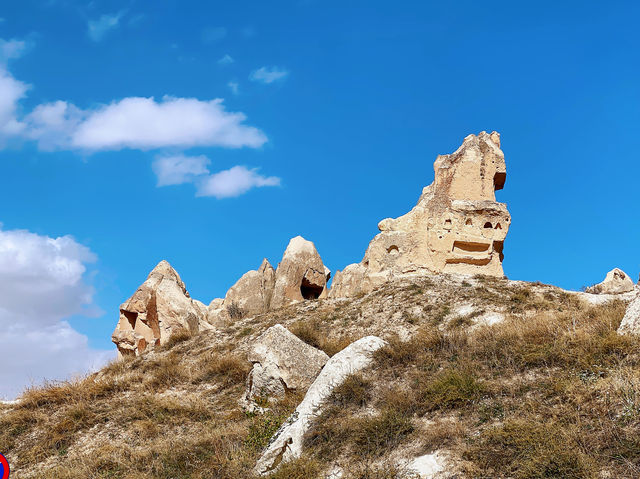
(616,282)
(429,466)
(252,292)
(159,307)
(281,362)
(300,275)
(286,444)
(456,227)
(631,322)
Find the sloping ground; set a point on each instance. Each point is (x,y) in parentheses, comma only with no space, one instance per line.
(549,391)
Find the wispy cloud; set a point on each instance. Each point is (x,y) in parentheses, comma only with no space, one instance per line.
(268,74)
(234,87)
(213,34)
(226,60)
(10,49)
(233,182)
(97,29)
(180,169)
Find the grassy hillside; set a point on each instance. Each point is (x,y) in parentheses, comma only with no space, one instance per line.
(550,392)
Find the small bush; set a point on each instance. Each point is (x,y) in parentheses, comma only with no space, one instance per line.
(355,390)
(450,389)
(376,435)
(179,336)
(235,311)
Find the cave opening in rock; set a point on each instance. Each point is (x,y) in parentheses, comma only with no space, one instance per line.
(131,317)
(498,180)
(309,290)
(393,249)
(488,225)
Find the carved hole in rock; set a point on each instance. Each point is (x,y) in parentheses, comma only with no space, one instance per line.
(488,225)
(498,227)
(468,222)
(309,290)
(131,317)
(393,249)
(498,181)
(447,223)
(498,247)
(469,246)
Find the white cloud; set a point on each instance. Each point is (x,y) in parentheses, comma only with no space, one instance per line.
(213,34)
(179,169)
(233,182)
(143,123)
(97,29)
(53,124)
(42,282)
(140,123)
(268,74)
(11,92)
(226,60)
(234,87)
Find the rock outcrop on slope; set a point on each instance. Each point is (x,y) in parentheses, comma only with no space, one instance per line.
(616,282)
(630,324)
(253,291)
(300,276)
(162,306)
(456,227)
(281,362)
(159,307)
(287,442)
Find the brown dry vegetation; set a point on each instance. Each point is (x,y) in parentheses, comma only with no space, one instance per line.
(552,392)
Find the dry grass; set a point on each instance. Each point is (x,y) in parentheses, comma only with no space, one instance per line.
(314,333)
(551,392)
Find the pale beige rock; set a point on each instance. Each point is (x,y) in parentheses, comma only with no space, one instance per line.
(616,282)
(159,307)
(252,292)
(631,322)
(282,362)
(287,442)
(300,275)
(456,227)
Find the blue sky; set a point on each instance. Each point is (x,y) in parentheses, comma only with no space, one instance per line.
(209,133)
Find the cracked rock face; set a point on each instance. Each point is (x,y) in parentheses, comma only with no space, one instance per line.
(159,307)
(631,322)
(456,227)
(616,282)
(300,275)
(252,292)
(286,444)
(281,362)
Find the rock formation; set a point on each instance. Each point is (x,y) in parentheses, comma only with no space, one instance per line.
(252,292)
(616,282)
(456,227)
(282,362)
(159,307)
(631,322)
(286,444)
(300,275)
